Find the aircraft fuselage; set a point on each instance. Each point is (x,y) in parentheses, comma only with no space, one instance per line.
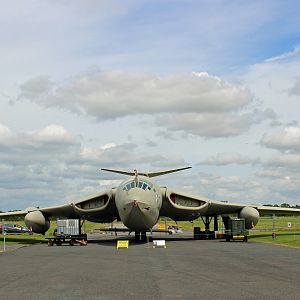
(138,201)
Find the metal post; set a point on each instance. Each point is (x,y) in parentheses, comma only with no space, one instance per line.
(4,233)
(216,223)
(294,231)
(4,236)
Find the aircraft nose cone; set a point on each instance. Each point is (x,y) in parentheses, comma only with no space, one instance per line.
(138,210)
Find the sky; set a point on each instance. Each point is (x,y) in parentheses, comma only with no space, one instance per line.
(149,85)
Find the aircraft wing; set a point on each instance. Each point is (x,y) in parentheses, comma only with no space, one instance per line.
(100,207)
(53,211)
(218,207)
(267,210)
(13,213)
(181,206)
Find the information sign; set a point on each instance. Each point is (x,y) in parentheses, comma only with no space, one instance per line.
(123,244)
(159,243)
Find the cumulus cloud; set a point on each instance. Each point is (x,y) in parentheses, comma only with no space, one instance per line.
(50,166)
(32,164)
(285,189)
(53,139)
(122,155)
(269,173)
(196,103)
(171,162)
(53,133)
(37,87)
(229,158)
(230,188)
(108,146)
(207,125)
(287,139)
(106,95)
(4,131)
(272,185)
(280,176)
(288,161)
(43,176)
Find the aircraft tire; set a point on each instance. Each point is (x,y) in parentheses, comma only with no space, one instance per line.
(143,236)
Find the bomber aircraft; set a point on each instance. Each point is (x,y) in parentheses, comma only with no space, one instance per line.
(139,203)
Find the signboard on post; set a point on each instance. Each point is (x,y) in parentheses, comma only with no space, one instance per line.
(159,244)
(123,244)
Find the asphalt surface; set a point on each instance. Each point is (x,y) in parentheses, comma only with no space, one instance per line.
(186,269)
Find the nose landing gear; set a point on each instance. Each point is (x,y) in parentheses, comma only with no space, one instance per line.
(140,236)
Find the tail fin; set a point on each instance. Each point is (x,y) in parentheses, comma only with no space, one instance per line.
(148,174)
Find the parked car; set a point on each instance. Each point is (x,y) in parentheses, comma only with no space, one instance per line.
(13,229)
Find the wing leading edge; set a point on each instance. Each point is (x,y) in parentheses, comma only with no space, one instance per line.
(100,207)
(181,206)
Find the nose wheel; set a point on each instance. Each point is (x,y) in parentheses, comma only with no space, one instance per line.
(140,236)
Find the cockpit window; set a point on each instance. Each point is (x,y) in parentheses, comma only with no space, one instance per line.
(139,184)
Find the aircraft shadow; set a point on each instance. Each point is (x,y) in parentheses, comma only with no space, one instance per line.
(109,241)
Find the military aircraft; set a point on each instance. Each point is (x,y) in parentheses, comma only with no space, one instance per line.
(139,203)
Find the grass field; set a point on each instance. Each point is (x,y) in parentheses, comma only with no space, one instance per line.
(287,236)
(284,238)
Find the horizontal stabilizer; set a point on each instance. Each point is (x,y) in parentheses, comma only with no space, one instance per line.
(148,174)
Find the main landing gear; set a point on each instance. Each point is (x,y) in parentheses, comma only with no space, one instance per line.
(207,233)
